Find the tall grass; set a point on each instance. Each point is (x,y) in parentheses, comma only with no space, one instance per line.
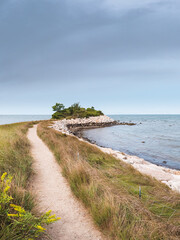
(109,188)
(15,159)
(17,220)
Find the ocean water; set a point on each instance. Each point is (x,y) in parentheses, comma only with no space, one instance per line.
(7,119)
(156,138)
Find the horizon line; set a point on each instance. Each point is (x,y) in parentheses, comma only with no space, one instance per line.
(34,114)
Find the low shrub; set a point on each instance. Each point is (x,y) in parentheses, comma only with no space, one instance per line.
(15,222)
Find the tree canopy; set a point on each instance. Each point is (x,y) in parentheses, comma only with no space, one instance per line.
(58,107)
(74,111)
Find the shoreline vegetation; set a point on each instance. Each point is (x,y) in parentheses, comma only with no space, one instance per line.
(75,127)
(18,217)
(109,189)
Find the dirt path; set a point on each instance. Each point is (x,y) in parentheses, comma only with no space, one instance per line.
(54,193)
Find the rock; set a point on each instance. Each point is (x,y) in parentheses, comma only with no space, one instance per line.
(65,125)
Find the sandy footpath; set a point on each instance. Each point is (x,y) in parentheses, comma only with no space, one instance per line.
(53,192)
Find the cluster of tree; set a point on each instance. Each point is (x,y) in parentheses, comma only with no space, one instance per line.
(74,111)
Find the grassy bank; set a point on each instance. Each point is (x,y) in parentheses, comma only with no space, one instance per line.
(109,188)
(17,222)
(15,159)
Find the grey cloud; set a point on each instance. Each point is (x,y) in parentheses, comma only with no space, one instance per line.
(47,39)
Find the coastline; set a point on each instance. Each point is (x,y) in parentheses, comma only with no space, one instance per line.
(168,176)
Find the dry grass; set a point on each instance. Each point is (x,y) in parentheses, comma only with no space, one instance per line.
(15,159)
(20,222)
(109,189)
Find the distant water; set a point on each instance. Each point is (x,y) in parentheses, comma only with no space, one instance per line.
(6,119)
(156,139)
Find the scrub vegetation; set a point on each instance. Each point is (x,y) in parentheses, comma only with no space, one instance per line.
(17,218)
(109,188)
(74,111)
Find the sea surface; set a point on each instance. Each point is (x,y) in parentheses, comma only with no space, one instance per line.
(156,138)
(7,119)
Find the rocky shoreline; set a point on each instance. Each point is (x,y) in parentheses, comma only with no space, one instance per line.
(75,126)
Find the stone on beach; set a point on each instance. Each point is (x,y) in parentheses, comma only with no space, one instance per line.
(61,125)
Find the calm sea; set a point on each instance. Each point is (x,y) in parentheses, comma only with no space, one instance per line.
(156,138)
(6,119)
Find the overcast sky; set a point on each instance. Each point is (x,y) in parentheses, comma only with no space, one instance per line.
(118,56)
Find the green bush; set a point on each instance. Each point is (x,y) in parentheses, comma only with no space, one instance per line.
(58,115)
(74,111)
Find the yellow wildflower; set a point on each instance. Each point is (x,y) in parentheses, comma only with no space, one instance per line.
(17,208)
(47,213)
(6,189)
(51,220)
(13,205)
(12,215)
(3,176)
(40,228)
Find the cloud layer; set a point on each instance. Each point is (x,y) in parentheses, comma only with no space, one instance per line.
(75,45)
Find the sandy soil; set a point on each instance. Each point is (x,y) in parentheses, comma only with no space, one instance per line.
(53,192)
